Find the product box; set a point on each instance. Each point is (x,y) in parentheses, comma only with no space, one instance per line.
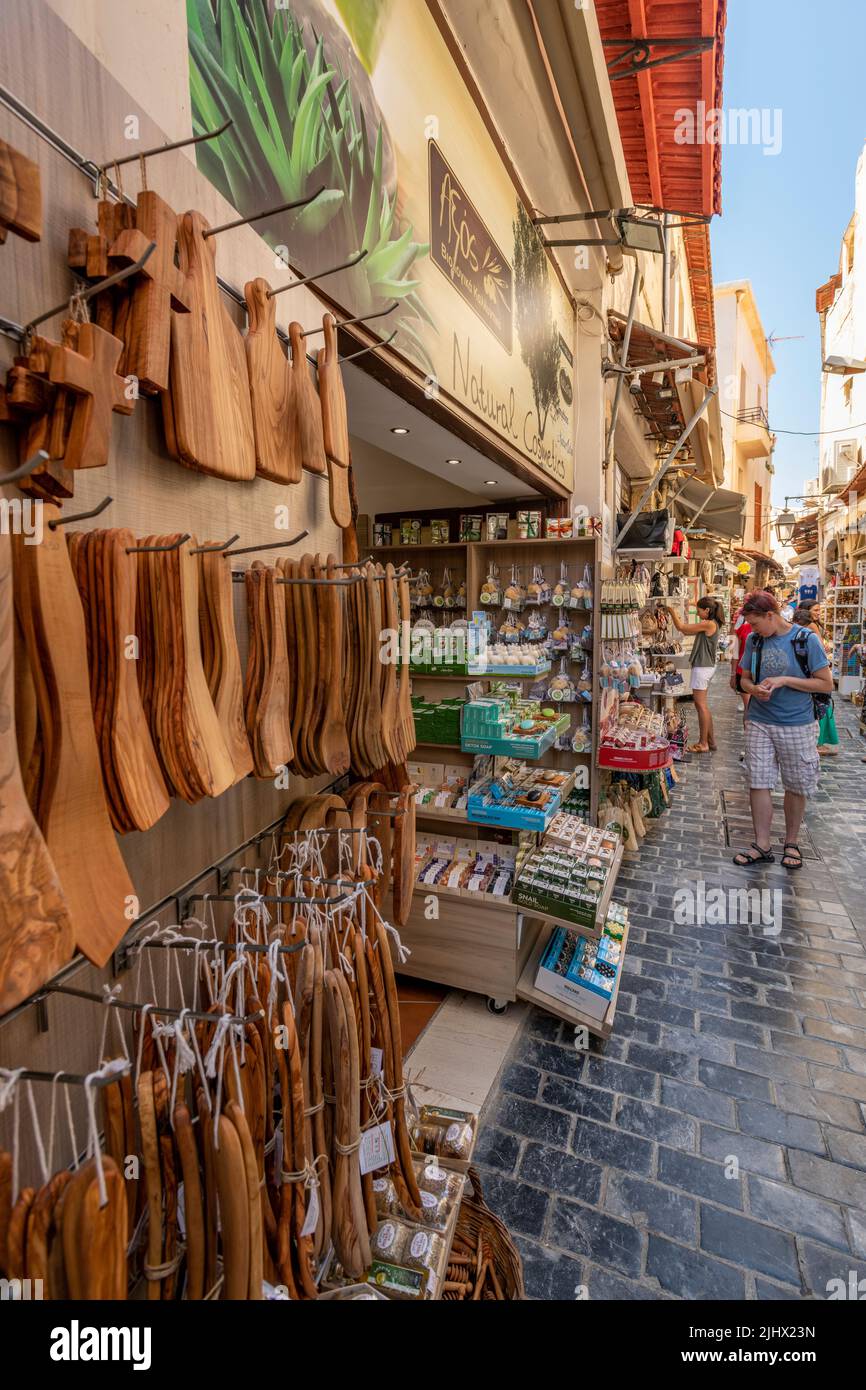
(559,975)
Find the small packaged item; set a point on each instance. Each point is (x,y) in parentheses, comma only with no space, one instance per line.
(470,527)
(440,531)
(496,526)
(410,530)
(420,1250)
(457,1141)
(385,1196)
(387,1243)
(528,525)
(433,1179)
(432,1208)
(426,1138)
(381,533)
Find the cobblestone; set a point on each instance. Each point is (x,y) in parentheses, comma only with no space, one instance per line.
(614,1169)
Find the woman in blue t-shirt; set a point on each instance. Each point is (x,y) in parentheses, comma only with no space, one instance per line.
(780,723)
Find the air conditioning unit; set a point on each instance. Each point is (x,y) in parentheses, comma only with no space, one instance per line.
(845,464)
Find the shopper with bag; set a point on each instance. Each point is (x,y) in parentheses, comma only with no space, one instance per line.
(788,676)
(702,660)
(808,615)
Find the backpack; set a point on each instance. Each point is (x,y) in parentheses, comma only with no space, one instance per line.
(820,703)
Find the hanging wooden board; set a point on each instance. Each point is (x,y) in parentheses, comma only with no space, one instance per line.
(20,195)
(305,407)
(335,425)
(222,662)
(278,455)
(36,934)
(72,810)
(155,292)
(90,372)
(210,394)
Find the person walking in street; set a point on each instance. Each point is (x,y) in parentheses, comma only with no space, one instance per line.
(808,615)
(741,628)
(703,663)
(784,669)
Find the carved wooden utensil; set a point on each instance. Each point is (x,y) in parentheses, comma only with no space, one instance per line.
(234,1209)
(36,929)
(42,1232)
(222,662)
(212,422)
(72,809)
(193,1209)
(305,408)
(90,372)
(152,1178)
(335,425)
(20,195)
(155,292)
(272,391)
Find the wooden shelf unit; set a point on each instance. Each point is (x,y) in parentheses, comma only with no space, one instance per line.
(527,991)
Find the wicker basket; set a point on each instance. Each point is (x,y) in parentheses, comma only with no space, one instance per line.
(475,1220)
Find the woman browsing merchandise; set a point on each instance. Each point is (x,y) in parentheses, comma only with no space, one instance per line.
(703,664)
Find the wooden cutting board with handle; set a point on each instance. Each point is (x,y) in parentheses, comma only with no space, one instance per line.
(305,408)
(156,292)
(234,1206)
(272,391)
(223,668)
(20,195)
(210,393)
(193,1209)
(36,929)
(335,425)
(72,809)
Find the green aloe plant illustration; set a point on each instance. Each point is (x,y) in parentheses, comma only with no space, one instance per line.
(298,126)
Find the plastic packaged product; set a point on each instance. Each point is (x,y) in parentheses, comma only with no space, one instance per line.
(420,1250)
(457,1141)
(387,1243)
(432,1208)
(433,1179)
(384,1196)
(426,1138)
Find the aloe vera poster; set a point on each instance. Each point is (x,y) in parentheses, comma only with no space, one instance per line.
(361,99)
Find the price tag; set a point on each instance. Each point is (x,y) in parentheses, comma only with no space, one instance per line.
(377,1148)
(311,1220)
(376,1061)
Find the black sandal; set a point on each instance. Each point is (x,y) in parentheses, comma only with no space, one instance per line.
(790,851)
(744,859)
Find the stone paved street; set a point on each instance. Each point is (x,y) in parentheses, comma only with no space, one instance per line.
(715,1146)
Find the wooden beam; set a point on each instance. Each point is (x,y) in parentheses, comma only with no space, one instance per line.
(638,25)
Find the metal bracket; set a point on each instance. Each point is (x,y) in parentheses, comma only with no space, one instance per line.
(636,54)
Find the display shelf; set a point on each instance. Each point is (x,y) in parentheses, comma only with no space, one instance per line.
(601,912)
(527,991)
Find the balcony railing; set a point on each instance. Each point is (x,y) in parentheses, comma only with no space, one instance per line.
(755,415)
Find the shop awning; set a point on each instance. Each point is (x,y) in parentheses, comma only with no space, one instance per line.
(667,405)
(762,559)
(805,536)
(714,509)
(808,557)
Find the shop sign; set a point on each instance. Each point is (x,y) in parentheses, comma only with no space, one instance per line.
(378,113)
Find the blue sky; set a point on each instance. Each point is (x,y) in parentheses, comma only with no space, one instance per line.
(783,215)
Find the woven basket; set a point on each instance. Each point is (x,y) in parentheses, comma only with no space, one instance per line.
(476,1219)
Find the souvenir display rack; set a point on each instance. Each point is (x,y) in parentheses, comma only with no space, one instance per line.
(844,628)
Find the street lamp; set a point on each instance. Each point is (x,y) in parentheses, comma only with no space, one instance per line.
(785,523)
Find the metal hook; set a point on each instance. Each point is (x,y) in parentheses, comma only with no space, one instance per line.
(148,549)
(269,212)
(308,279)
(131,1006)
(363,318)
(80,516)
(269,545)
(100,285)
(350,357)
(25,469)
(215,549)
(68,1078)
(164,149)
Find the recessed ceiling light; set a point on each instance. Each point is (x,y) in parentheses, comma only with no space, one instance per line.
(454,462)
(490,482)
(399,429)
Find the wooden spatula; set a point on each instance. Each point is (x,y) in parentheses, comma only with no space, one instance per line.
(234,1206)
(72,808)
(305,408)
(335,425)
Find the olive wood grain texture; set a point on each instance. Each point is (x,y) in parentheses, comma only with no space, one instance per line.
(90,373)
(155,292)
(272,390)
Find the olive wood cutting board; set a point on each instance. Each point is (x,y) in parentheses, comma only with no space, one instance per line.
(272,390)
(234,1208)
(36,929)
(107,582)
(305,407)
(72,810)
(20,195)
(90,373)
(183,722)
(222,661)
(209,398)
(335,425)
(155,292)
